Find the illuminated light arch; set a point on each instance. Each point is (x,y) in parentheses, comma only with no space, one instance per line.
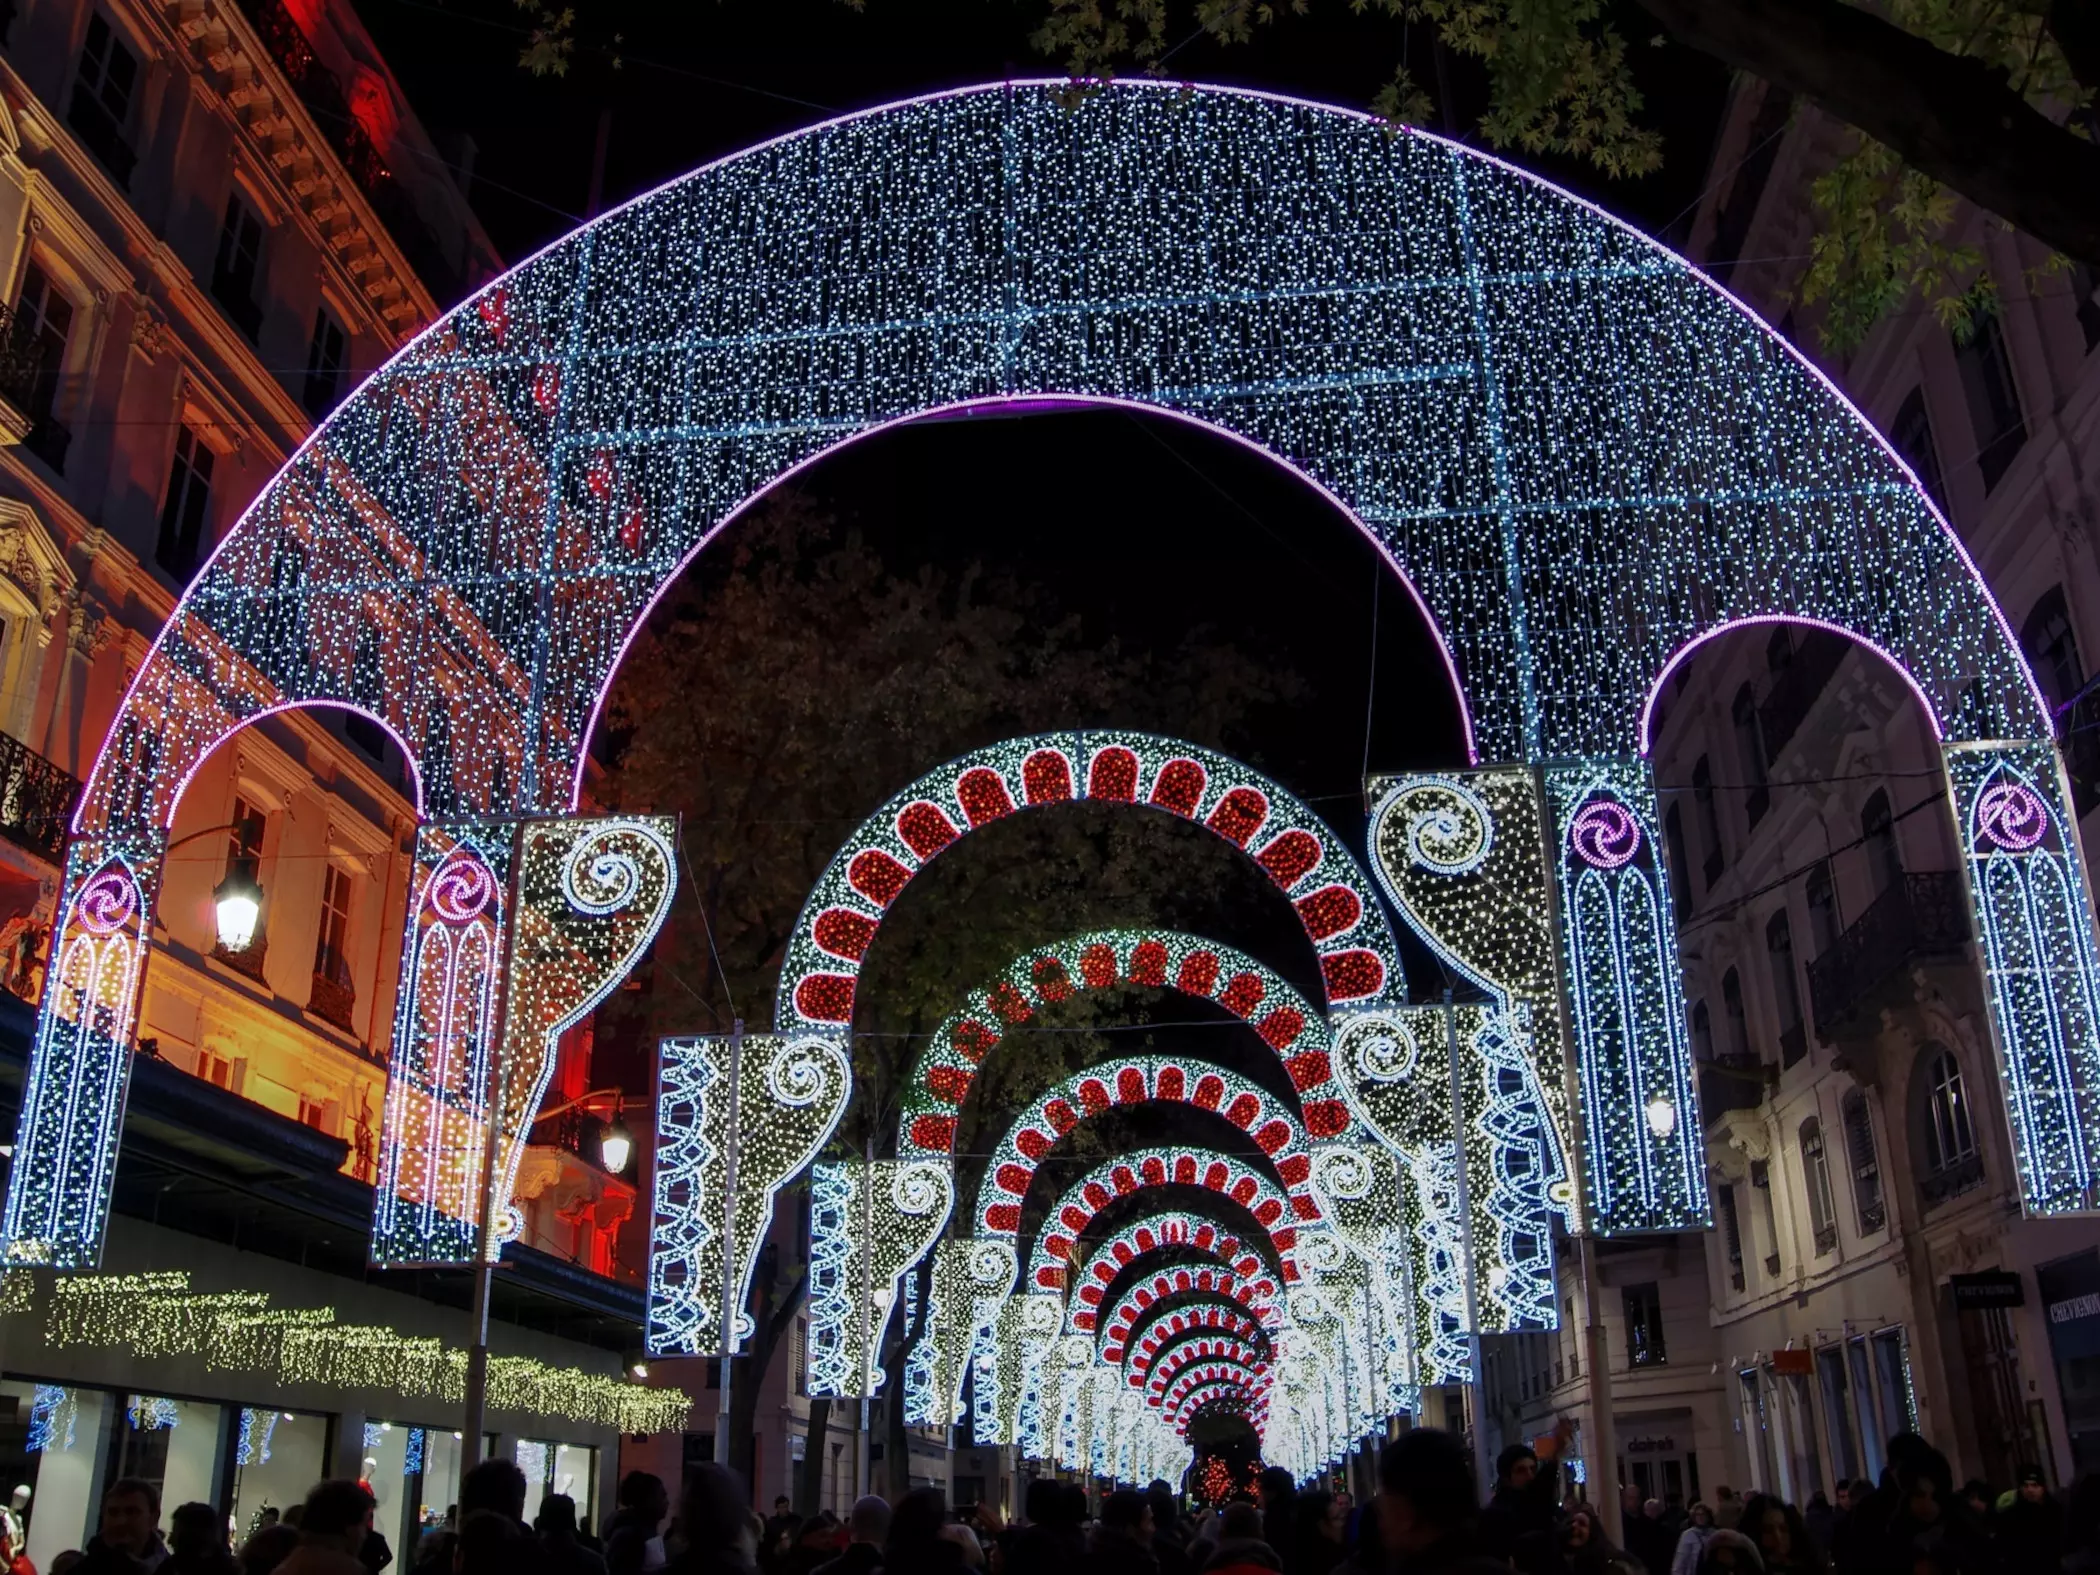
(1210,1380)
(941,1079)
(1107,1259)
(1334,900)
(415,770)
(1197,1346)
(1516,398)
(1068,1220)
(1167,1316)
(1142,1080)
(1181,1280)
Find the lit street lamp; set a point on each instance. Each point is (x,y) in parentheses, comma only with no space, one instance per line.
(238,901)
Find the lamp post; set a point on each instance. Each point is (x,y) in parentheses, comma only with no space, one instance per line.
(615,1148)
(236,900)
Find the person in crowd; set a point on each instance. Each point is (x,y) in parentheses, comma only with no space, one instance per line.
(867,1528)
(1517,1524)
(634,1541)
(1169,1536)
(1122,1543)
(1428,1506)
(779,1533)
(1316,1540)
(1730,1553)
(489,1543)
(720,1534)
(67,1562)
(1649,1536)
(816,1542)
(562,1550)
(915,1545)
(129,1541)
(2029,1530)
(1932,1531)
(1821,1520)
(1279,1513)
(1782,1537)
(197,1542)
(269,1547)
(1691,1542)
(1052,1542)
(1728,1509)
(2081,1527)
(1586,1550)
(332,1527)
(1239,1547)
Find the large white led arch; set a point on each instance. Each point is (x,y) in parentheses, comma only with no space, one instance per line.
(1579,455)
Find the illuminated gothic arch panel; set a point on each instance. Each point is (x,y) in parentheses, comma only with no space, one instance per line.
(941,1078)
(1578,453)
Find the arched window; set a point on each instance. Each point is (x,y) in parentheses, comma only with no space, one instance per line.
(1702,1032)
(1709,821)
(1750,750)
(1823,925)
(1878,827)
(1738,1023)
(2052,646)
(1945,1125)
(1815,1174)
(1731,1224)
(1865,1166)
(1786,987)
(1779,650)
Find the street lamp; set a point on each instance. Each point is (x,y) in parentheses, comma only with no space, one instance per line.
(615,1144)
(238,902)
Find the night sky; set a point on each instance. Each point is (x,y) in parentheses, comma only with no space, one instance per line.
(1146,527)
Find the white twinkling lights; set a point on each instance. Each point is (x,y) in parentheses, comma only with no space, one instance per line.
(868,1224)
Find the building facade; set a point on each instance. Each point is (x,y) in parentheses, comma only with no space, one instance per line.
(1871,1271)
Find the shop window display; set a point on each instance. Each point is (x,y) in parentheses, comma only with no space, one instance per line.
(277,1456)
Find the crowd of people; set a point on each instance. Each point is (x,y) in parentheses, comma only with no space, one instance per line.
(1426,1519)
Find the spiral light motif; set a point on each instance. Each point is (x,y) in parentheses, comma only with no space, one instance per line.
(1385,1051)
(1041,1314)
(601,874)
(1449,829)
(919,1189)
(1605,834)
(1341,1172)
(991,1263)
(462,888)
(107,903)
(2012,815)
(801,1074)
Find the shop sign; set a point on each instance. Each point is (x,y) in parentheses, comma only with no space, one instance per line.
(1794,1363)
(1992,1288)
(1665,1445)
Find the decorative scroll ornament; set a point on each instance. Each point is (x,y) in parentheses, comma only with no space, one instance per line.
(972,1279)
(868,1224)
(790,1094)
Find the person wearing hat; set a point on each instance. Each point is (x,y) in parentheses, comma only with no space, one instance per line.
(2030,1529)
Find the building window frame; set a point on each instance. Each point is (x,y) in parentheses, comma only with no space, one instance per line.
(1815,1175)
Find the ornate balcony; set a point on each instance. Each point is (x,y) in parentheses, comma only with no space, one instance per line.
(334,994)
(1923,916)
(36,800)
(1733,1082)
(1951,1181)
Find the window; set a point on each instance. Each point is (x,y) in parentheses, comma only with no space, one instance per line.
(1821,893)
(1768,1214)
(1837,1411)
(1911,434)
(314,1113)
(331,946)
(1779,650)
(324,365)
(1750,749)
(2052,647)
(1815,1174)
(1866,1170)
(1949,1136)
(233,274)
(1731,1231)
(1738,1021)
(1702,1032)
(1878,828)
(1994,403)
(102,95)
(183,515)
(1644,1326)
(244,841)
(1680,865)
(1786,986)
(1709,822)
(43,321)
(215,1070)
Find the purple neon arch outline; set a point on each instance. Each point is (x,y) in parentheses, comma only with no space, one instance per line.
(415,769)
(1766,621)
(1288,100)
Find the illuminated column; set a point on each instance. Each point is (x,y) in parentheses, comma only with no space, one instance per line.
(790,1095)
(2034,929)
(1624,995)
(72,1112)
(905,1205)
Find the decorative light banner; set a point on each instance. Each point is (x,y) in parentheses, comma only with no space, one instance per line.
(1646,1150)
(1305,859)
(1287,1022)
(72,1112)
(790,1094)
(586,899)
(2034,921)
(868,1224)
(972,1279)
(1362,1196)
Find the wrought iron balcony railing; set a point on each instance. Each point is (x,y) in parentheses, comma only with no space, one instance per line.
(1918,917)
(1951,1181)
(37,800)
(1733,1082)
